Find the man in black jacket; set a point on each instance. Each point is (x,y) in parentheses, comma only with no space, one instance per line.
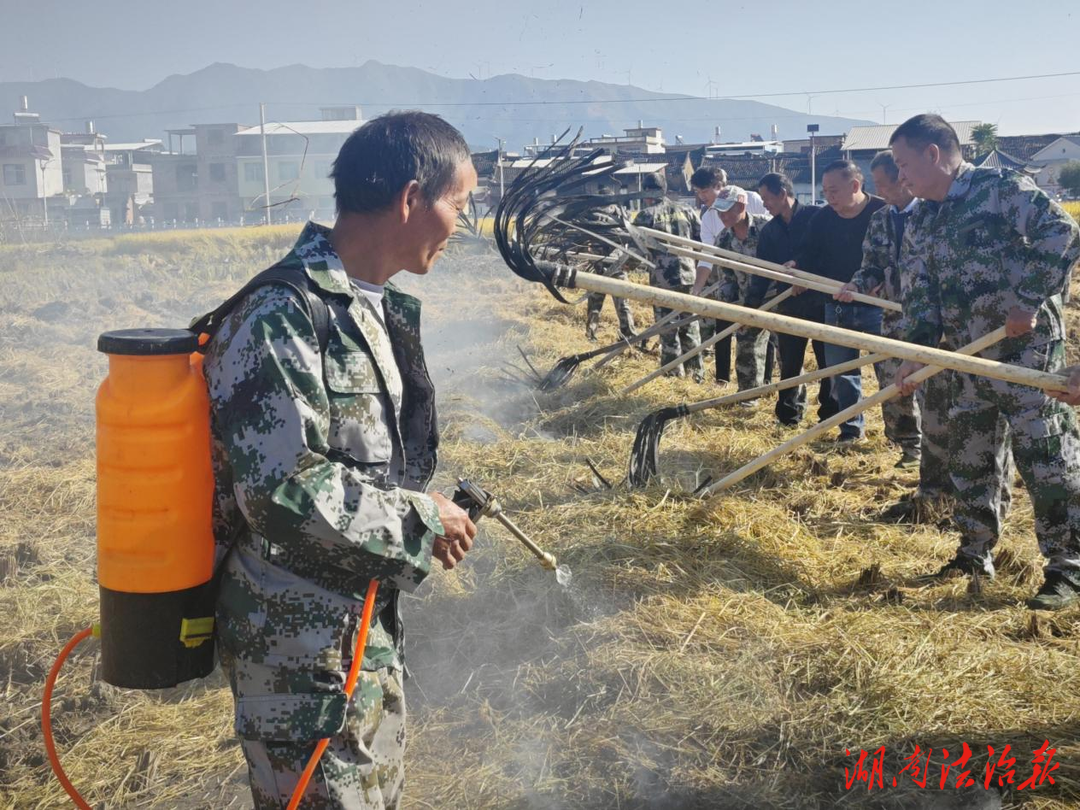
(780,242)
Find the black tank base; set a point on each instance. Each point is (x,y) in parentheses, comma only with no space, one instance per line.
(156,640)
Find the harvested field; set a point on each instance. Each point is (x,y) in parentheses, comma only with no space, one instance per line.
(707,654)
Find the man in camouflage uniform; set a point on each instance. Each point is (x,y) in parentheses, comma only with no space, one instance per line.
(879,275)
(594,304)
(672,272)
(740,235)
(611,215)
(988,248)
(320,461)
(917,424)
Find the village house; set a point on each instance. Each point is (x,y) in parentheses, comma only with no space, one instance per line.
(299,156)
(30,167)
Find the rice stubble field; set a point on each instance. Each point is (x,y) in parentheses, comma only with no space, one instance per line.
(720,653)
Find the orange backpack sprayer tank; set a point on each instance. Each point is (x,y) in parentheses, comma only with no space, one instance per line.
(155,489)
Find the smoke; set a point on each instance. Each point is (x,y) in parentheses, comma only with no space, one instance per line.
(477,638)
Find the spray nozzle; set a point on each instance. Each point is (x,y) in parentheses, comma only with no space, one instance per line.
(478,502)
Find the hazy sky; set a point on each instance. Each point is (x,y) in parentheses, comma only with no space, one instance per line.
(719,48)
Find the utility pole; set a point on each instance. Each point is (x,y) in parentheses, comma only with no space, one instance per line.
(812,129)
(501,184)
(44,196)
(266,162)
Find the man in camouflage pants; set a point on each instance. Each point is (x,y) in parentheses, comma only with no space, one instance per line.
(740,235)
(320,461)
(918,424)
(988,248)
(615,267)
(672,272)
(879,275)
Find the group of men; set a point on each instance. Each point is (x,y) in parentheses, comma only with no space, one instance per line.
(963,250)
(324,432)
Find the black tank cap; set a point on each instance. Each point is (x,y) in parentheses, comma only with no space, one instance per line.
(148,341)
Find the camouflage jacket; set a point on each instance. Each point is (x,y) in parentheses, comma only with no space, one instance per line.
(679,220)
(736,282)
(881,269)
(995,242)
(319,463)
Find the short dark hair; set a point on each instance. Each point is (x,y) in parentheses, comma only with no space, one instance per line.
(849,169)
(884,160)
(925,129)
(708,177)
(388,152)
(654,182)
(776,183)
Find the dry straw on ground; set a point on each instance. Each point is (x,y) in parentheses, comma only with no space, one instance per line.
(718,654)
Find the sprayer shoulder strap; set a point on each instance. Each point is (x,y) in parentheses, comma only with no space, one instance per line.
(285,276)
(296,280)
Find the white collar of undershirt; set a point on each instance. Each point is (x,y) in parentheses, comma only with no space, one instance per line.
(372,292)
(907,210)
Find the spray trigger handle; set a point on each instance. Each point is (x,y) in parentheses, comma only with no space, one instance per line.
(472,499)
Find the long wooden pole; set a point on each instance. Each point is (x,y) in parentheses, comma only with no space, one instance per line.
(603,239)
(705,344)
(782,385)
(827,286)
(652,330)
(806,275)
(883,395)
(569,277)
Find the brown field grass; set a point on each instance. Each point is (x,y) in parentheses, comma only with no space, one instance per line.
(708,654)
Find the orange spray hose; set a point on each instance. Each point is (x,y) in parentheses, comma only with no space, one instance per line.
(46,717)
(350,685)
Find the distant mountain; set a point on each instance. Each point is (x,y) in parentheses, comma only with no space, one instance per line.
(541,108)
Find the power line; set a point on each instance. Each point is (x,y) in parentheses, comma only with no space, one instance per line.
(747,96)
(600,102)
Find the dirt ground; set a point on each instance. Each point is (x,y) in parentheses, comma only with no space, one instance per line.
(724,653)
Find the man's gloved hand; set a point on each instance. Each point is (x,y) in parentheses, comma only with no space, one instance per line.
(450,549)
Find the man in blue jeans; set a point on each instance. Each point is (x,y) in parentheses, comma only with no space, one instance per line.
(833,248)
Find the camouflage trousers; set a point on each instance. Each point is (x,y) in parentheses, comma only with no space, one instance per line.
(901,415)
(1046,446)
(935,397)
(362,767)
(679,341)
(751,357)
(595,304)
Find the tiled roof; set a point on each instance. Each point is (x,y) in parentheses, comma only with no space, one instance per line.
(1022,147)
(746,171)
(877,137)
(998,159)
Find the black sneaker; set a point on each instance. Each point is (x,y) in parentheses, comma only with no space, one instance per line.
(961,565)
(1057,592)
